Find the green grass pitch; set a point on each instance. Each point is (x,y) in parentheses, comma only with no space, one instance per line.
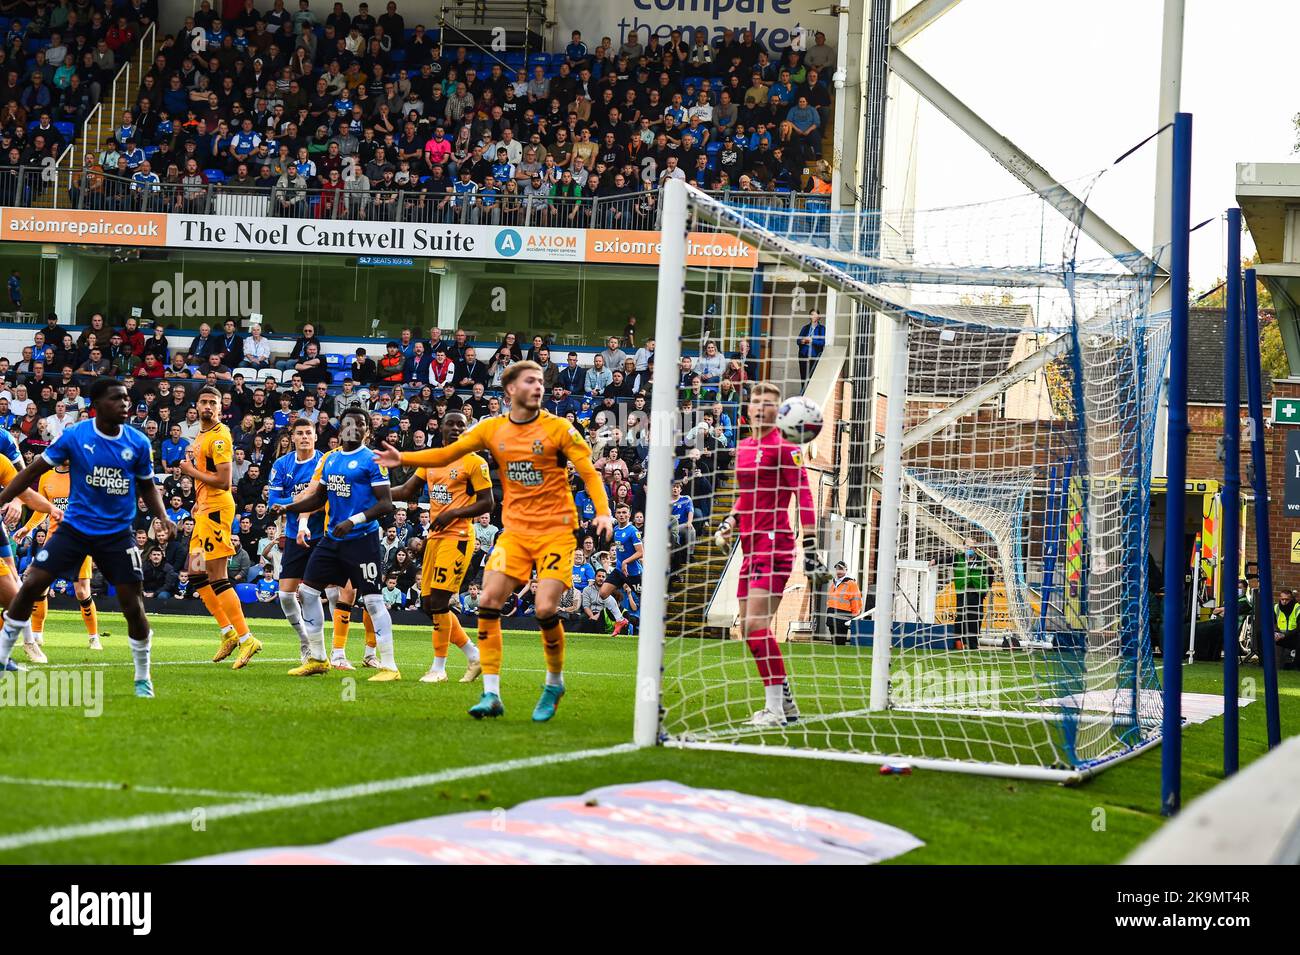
(214,737)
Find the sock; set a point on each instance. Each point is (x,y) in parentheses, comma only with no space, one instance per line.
(461,639)
(377,613)
(439,665)
(39,609)
(203,588)
(458,635)
(774,694)
(89,616)
(489,644)
(10,634)
(767,657)
(225,592)
(140,654)
(367,621)
(441,634)
(612,606)
(553,649)
(313,621)
(289,604)
(342,619)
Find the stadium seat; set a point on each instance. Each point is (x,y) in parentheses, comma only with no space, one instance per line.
(539,59)
(247,593)
(67,130)
(150,152)
(216,175)
(397,56)
(36,43)
(337,361)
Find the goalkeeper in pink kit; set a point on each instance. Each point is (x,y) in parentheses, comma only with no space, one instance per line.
(769,472)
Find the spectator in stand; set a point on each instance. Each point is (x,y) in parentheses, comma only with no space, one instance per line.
(256,349)
(390,365)
(812,342)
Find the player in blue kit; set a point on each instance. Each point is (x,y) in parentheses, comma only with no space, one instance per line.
(354,488)
(9,448)
(628,552)
(109,464)
(291,475)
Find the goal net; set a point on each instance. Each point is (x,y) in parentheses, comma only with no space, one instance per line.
(989,386)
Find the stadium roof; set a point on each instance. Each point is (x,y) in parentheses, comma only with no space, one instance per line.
(1269,196)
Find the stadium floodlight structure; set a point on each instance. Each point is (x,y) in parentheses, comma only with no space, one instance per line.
(1009,479)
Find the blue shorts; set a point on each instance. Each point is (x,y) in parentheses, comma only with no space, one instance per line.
(354,561)
(114,554)
(294,564)
(6,545)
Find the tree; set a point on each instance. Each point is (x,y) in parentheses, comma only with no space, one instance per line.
(1272,353)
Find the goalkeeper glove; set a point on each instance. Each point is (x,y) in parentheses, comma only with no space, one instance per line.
(722,539)
(812,563)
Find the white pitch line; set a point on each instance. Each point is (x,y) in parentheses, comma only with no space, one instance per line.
(193,663)
(158,820)
(126,787)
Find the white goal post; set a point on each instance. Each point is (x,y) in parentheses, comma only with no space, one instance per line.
(984,490)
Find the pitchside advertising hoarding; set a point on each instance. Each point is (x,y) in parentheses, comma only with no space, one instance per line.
(774,23)
(266,234)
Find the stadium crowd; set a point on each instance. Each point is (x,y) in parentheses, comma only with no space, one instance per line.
(417,380)
(348,115)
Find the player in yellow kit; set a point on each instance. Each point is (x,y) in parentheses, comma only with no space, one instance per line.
(533,450)
(53,487)
(8,579)
(208,463)
(458,493)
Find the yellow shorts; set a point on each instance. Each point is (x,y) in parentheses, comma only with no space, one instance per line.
(212,533)
(446,561)
(518,555)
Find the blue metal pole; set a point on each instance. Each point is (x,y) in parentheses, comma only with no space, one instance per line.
(1171,749)
(1230,546)
(1263,548)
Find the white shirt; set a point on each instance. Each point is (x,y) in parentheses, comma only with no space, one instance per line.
(18,406)
(190,430)
(258,349)
(56,424)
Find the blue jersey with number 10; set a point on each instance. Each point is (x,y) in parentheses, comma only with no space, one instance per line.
(349,479)
(104,471)
(289,478)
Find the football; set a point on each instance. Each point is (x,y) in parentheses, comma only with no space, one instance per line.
(799,420)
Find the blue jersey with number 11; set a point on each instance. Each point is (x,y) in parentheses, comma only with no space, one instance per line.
(349,479)
(104,471)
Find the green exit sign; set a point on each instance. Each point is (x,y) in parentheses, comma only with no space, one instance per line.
(1286,410)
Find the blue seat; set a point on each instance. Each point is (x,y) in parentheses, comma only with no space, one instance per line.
(150,152)
(36,44)
(340,375)
(397,56)
(716,84)
(216,175)
(67,130)
(247,593)
(539,59)
(713,148)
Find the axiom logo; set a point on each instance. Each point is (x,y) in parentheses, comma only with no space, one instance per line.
(179,298)
(77,908)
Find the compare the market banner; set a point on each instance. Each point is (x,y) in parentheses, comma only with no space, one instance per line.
(433,240)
